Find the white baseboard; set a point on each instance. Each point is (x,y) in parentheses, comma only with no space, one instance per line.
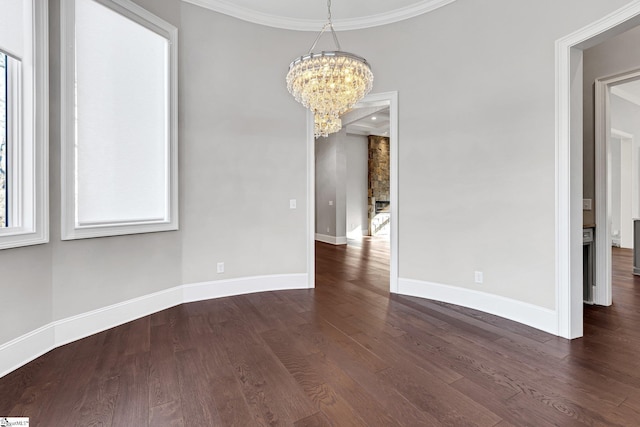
(29,346)
(518,311)
(332,240)
(25,348)
(85,324)
(245,285)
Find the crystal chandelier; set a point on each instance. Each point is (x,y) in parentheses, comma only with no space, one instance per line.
(329,83)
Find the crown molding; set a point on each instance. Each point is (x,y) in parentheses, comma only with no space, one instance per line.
(246,14)
(634,99)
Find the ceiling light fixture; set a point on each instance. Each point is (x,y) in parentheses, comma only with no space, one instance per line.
(329,83)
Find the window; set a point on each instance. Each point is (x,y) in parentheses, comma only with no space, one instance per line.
(4,217)
(10,143)
(119,140)
(23,123)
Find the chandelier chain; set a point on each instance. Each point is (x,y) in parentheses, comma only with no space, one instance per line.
(329,25)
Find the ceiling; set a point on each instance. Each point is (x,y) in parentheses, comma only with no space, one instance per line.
(369,120)
(310,15)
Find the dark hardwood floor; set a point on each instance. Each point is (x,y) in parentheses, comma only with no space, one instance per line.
(344,354)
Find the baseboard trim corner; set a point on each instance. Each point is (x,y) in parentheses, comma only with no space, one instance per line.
(528,314)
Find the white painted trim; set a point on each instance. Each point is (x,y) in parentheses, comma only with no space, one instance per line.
(245,285)
(568,231)
(32,153)
(311,201)
(70,227)
(83,325)
(394,143)
(332,240)
(31,345)
(531,315)
(393,190)
(25,348)
(621,93)
(602,277)
(287,23)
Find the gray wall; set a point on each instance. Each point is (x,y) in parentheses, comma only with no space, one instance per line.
(357,184)
(243,149)
(331,184)
(476,159)
(25,286)
(476,82)
(327,180)
(341,177)
(616,55)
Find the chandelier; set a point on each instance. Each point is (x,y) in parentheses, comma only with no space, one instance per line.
(329,83)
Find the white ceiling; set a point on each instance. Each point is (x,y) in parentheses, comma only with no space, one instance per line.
(309,15)
(369,120)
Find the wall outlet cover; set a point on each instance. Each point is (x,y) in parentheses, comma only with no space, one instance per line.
(479,277)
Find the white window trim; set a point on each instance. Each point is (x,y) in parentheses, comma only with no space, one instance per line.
(29,205)
(71,228)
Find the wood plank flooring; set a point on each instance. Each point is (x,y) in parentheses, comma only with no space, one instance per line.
(344,354)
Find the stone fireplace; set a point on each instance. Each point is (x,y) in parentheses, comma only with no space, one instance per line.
(379,177)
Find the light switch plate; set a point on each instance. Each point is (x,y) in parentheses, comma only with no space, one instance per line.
(586,204)
(292,204)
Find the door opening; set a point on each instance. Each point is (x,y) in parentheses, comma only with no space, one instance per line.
(569,171)
(387,103)
(616,175)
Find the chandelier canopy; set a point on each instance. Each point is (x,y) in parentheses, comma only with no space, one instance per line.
(329,83)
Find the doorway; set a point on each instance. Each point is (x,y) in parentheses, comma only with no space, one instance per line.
(616,172)
(390,101)
(569,170)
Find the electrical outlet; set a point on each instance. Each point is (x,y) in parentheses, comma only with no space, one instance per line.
(330,202)
(220,267)
(328,231)
(292,204)
(479,277)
